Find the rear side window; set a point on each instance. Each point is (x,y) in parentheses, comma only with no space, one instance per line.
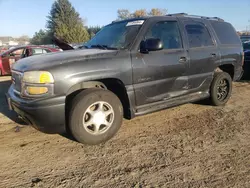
(198,35)
(36,51)
(225,32)
(46,50)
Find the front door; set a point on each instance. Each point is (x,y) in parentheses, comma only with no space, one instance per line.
(160,75)
(11,58)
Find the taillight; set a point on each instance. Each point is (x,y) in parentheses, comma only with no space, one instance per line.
(243,58)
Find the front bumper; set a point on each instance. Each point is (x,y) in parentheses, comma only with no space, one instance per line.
(46,115)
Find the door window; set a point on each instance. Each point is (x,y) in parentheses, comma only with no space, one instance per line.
(198,35)
(16,53)
(37,51)
(168,32)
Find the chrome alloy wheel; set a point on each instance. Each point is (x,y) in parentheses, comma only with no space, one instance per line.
(222,89)
(98,118)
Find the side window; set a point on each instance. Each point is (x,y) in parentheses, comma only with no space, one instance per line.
(225,32)
(198,35)
(37,51)
(17,52)
(46,51)
(168,32)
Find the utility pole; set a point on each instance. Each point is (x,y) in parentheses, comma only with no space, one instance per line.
(248,26)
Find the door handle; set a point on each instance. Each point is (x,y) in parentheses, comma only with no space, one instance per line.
(213,55)
(183,59)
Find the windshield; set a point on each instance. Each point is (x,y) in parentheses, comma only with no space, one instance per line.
(119,35)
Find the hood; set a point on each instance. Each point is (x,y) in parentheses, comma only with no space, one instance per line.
(45,61)
(62,44)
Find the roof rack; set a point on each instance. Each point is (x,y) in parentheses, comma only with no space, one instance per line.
(195,16)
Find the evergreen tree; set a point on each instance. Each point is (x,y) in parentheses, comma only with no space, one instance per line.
(65,23)
(41,37)
(93,30)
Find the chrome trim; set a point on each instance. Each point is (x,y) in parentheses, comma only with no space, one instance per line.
(17,92)
(16,72)
(19,75)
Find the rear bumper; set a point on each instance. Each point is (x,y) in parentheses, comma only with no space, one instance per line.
(45,115)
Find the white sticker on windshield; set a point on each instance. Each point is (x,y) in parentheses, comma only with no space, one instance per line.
(137,22)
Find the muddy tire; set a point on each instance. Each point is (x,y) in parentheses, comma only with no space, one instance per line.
(95,117)
(221,89)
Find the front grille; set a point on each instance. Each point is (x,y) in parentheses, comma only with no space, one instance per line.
(16,80)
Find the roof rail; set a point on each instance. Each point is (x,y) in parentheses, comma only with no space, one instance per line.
(195,16)
(178,14)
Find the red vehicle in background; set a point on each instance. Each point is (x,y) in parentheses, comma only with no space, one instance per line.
(3,50)
(12,55)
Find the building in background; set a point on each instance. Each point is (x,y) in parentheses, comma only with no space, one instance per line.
(11,41)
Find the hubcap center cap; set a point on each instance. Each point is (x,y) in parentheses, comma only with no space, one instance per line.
(99,118)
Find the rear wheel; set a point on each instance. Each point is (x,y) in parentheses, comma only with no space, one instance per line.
(221,88)
(96,116)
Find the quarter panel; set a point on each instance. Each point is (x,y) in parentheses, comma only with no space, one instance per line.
(230,55)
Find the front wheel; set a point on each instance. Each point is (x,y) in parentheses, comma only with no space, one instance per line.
(221,88)
(96,116)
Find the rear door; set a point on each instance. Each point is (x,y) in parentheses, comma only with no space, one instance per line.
(203,53)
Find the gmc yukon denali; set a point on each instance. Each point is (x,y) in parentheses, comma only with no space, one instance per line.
(129,68)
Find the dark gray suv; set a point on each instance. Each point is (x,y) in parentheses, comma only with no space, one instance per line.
(130,68)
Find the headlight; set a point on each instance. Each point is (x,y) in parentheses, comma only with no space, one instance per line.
(37,83)
(38,77)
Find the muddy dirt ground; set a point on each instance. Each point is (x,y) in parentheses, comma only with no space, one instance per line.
(192,145)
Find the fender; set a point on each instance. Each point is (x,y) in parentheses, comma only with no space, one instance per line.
(85,85)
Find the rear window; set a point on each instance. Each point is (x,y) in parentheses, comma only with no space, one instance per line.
(225,32)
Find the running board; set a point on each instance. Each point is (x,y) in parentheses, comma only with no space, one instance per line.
(157,106)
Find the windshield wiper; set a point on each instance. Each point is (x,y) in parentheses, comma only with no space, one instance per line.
(104,47)
(83,47)
(99,46)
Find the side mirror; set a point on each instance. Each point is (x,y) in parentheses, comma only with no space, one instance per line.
(151,44)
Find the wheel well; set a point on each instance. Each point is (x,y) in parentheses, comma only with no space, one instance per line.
(118,88)
(114,85)
(229,68)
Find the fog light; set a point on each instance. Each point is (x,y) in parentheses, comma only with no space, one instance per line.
(36,90)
